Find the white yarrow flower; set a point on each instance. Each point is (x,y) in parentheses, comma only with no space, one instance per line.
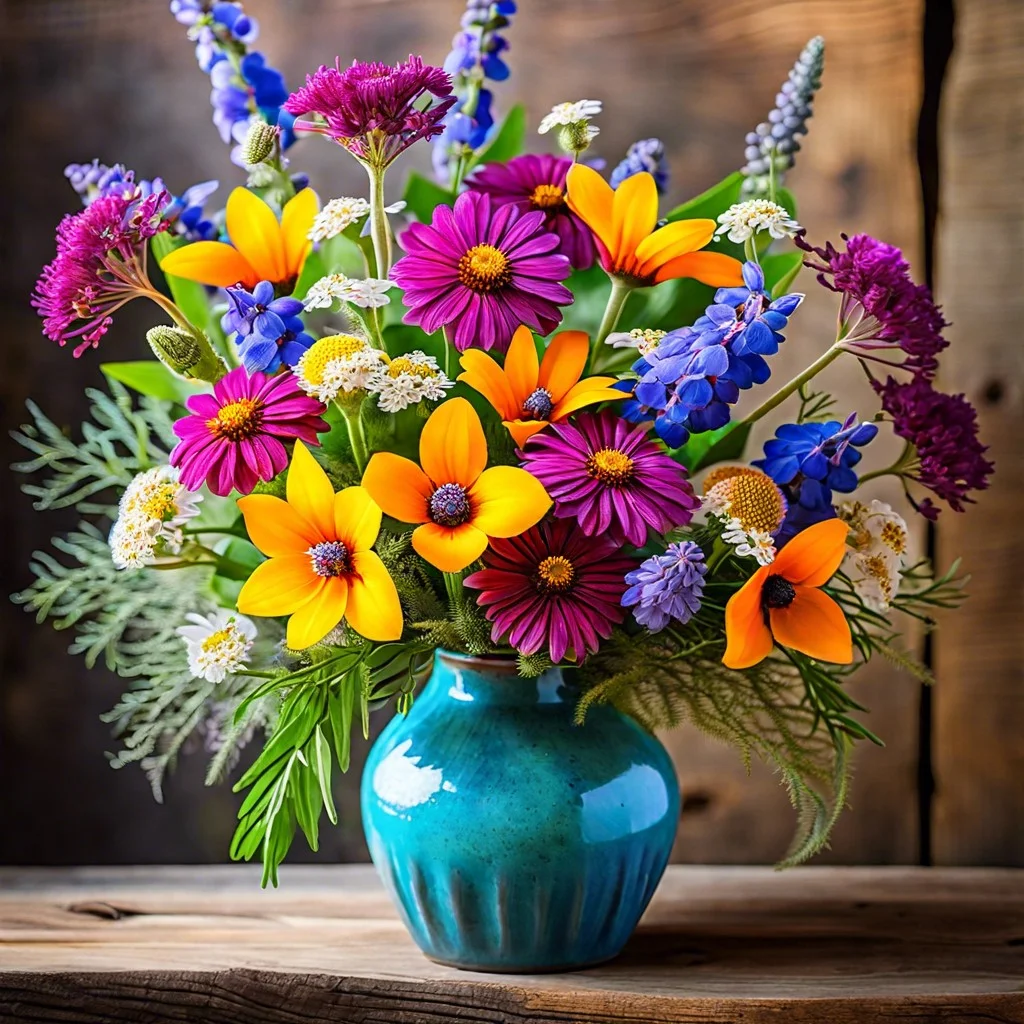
(407,380)
(217,644)
(744,220)
(337,364)
(876,550)
(756,543)
(576,112)
(365,293)
(643,339)
(337,215)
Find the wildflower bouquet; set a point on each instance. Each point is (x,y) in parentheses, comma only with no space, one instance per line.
(498,417)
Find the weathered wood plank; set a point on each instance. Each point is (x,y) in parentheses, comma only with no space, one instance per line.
(718,944)
(979,703)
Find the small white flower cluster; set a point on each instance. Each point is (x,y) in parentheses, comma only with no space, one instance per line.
(876,550)
(756,543)
(149,518)
(644,339)
(340,214)
(573,121)
(744,220)
(366,293)
(407,380)
(217,644)
(338,364)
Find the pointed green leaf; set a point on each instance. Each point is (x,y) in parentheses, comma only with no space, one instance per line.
(422,195)
(508,142)
(151,377)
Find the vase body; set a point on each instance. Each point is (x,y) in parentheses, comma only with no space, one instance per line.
(510,838)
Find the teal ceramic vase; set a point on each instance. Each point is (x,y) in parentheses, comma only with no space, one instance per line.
(510,838)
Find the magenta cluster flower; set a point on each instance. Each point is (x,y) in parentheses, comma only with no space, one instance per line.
(537,182)
(233,438)
(610,477)
(481,272)
(99,266)
(374,110)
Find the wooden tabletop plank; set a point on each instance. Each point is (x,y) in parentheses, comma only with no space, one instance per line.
(717,944)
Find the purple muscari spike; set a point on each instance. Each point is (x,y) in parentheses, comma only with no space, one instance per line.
(646,155)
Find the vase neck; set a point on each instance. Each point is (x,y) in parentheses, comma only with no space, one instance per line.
(493,680)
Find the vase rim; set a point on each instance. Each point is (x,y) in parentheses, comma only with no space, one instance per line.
(503,664)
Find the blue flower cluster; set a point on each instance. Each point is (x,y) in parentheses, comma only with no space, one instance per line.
(269,332)
(811,460)
(667,586)
(687,384)
(646,155)
(475,58)
(244,85)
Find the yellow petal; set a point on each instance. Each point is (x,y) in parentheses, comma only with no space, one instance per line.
(296,219)
(449,549)
(483,374)
(634,215)
(815,625)
(310,492)
(356,518)
(507,500)
(453,449)
(713,268)
(212,263)
(748,639)
(398,486)
(590,197)
(582,398)
(255,233)
(279,586)
(563,363)
(319,615)
(675,239)
(813,555)
(521,367)
(523,430)
(374,610)
(274,526)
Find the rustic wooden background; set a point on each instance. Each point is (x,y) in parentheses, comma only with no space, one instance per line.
(84,78)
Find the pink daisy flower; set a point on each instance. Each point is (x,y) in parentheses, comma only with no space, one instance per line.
(232,439)
(553,587)
(481,271)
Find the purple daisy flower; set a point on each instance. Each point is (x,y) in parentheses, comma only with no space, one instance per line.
(537,182)
(610,477)
(667,586)
(482,272)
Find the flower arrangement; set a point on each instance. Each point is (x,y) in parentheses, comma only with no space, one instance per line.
(370,431)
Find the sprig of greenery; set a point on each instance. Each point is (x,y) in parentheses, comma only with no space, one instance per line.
(814,405)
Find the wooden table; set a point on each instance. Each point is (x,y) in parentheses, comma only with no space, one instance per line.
(205,945)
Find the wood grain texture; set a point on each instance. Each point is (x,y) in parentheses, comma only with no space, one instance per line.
(828,945)
(979,703)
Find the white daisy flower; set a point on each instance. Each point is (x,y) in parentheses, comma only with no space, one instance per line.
(365,293)
(217,644)
(744,220)
(643,339)
(570,113)
(876,550)
(407,380)
(337,364)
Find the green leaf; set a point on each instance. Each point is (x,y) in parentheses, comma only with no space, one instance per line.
(723,445)
(189,296)
(781,270)
(321,765)
(786,199)
(422,195)
(712,202)
(312,270)
(508,142)
(151,377)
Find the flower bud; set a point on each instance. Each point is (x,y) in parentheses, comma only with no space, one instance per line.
(575,138)
(259,142)
(186,353)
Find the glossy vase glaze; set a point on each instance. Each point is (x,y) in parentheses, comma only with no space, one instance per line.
(510,838)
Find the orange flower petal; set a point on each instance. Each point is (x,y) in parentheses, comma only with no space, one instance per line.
(279,586)
(255,233)
(590,197)
(453,449)
(212,263)
(813,555)
(675,239)
(748,639)
(274,526)
(814,625)
(713,268)
(449,549)
(310,623)
(356,518)
(398,486)
(483,374)
(563,363)
(521,366)
(296,219)
(634,215)
(581,396)
(507,500)
(374,610)
(310,492)
(523,430)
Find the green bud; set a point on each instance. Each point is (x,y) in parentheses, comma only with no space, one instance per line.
(575,138)
(259,142)
(187,353)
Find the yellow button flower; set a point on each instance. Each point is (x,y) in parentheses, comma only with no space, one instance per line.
(320,568)
(261,249)
(529,395)
(458,501)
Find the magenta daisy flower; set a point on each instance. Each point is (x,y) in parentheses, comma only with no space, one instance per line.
(232,439)
(537,182)
(100,265)
(481,272)
(374,110)
(552,587)
(610,477)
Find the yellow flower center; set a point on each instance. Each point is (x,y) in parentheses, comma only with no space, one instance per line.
(749,496)
(878,569)
(546,196)
(556,573)
(401,365)
(214,640)
(610,466)
(484,269)
(894,537)
(325,351)
(160,504)
(238,421)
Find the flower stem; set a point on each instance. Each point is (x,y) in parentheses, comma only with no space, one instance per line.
(380,230)
(616,300)
(356,437)
(796,383)
(453,585)
(898,468)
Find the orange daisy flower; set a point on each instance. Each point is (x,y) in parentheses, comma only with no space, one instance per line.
(624,220)
(456,499)
(527,394)
(261,249)
(781,604)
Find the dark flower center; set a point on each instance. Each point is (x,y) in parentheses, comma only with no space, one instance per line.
(538,406)
(330,558)
(485,269)
(777,592)
(610,466)
(237,421)
(449,505)
(555,574)
(545,196)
